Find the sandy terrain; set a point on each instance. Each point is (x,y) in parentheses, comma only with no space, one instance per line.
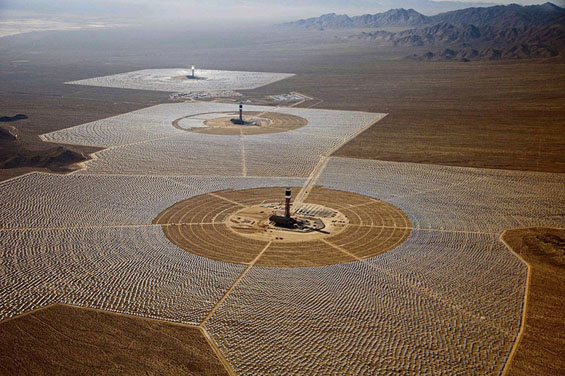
(71,340)
(508,116)
(541,347)
(221,124)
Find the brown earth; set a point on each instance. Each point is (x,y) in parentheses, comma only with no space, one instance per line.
(270,122)
(21,150)
(541,348)
(68,340)
(59,106)
(503,115)
(201,226)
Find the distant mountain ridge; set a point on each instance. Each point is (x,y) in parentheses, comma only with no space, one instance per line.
(393,17)
(512,15)
(497,32)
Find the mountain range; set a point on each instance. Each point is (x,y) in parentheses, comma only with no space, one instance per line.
(497,32)
(512,15)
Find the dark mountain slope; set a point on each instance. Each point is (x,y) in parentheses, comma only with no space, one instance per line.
(326,21)
(505,16)
(438,34)
(501,32)
(23,150)
(391,18)
(498,32)
(501,16)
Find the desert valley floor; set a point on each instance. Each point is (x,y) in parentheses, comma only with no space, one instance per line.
(445,298)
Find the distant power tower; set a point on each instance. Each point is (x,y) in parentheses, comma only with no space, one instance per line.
(240,121)
(193,76)
(287,195)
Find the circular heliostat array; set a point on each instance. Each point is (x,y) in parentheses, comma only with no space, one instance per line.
(235,226)
(254,123)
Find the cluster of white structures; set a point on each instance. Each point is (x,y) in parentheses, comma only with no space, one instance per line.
(195,95)
(291,97)
(447,301)
(180,80)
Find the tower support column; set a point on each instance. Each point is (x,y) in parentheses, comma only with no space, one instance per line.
(287,205)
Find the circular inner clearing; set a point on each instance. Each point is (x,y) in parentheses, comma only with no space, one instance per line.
(254,123)
(313,222)
(236,226)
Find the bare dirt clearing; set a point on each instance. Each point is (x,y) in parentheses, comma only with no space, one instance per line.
(204,225)
(71,340)
(506,115)
(541,349)
(264,122)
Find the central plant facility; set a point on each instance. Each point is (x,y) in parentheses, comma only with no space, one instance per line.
(255,225)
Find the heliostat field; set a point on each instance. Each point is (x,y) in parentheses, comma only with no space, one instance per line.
(182,80)
(415,280)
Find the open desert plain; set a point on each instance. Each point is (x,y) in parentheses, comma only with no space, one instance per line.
(373,195)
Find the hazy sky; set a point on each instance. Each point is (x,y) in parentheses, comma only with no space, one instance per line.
(263,11)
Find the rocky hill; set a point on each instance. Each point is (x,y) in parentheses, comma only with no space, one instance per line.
(499,32)
(391,18)
(453,34)
(23,151)
(7,119)
(520,51)
(502,16)
(505,16)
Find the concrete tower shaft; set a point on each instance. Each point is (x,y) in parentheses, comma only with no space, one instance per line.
(287,197)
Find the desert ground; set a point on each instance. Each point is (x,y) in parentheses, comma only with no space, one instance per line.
(541,347)
(79,340)
(417,280)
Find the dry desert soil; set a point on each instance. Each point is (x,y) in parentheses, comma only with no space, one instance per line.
(66,340)
(541,348)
